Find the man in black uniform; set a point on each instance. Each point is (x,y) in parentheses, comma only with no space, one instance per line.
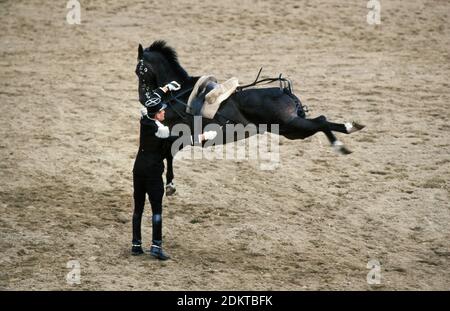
(154,142)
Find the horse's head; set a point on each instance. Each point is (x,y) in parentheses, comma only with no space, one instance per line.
(144,72)
(158,65)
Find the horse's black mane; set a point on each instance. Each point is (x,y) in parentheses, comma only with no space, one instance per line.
(160,46)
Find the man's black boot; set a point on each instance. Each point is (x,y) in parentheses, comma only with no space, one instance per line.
(136,248)
(157,251)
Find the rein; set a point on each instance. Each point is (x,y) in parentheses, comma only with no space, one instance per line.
(284,83)
(176,98)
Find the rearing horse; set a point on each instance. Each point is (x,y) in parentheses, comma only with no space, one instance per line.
(158,65)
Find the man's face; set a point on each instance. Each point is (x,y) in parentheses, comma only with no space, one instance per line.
(160,116)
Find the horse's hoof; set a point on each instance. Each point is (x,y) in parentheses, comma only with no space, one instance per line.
(344,150)
(170,189)
(354,127)
(340,148)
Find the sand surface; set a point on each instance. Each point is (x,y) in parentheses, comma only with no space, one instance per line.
(69,131)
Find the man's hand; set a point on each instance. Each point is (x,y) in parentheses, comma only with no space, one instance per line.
(143,111)
(173,86)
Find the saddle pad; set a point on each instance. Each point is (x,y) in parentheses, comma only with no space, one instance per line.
(216,96)
(201,83)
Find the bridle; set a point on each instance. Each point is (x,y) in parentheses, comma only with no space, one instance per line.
(141,72)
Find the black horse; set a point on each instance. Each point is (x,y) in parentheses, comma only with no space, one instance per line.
(158,65)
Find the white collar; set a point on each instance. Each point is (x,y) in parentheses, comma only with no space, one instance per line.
(156,121)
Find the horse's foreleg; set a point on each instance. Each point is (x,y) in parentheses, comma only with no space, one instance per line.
(170,186)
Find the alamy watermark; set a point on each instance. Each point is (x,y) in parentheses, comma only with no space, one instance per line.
(74,15)
(233,142)
(374,275)
(374,15)
(74,275)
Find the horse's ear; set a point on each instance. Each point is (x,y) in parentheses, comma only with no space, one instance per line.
(140,52)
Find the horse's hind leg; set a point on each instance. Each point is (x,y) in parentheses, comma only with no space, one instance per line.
(346,128)
(300,128)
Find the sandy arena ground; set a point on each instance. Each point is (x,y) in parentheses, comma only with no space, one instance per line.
(69,130)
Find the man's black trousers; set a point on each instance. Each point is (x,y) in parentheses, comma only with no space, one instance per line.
(154,188)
